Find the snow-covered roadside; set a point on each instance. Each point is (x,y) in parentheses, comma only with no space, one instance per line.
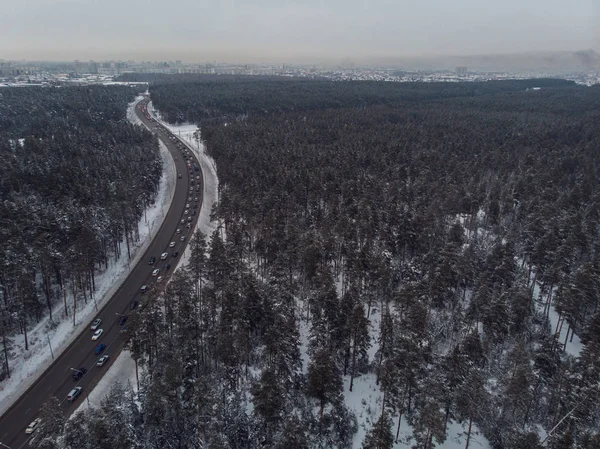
(26,366)
(187,134)
(190,136)
(123,368)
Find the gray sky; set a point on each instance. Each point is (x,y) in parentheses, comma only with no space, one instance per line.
(288,30)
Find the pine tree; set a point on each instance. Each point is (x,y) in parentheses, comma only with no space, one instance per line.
(324,380)
(359,340)
(380,436)
(293,435)
(50,428)
(429,424)
(470,399)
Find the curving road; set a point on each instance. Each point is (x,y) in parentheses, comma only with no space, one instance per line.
(57,380)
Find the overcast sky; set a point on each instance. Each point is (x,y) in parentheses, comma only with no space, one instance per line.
(288,30)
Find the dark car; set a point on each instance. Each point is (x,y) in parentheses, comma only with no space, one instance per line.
(78,374)
(101,347)
(133,305)
(152,260)
(168,266)
(175,254)
(180,176)
(123,320)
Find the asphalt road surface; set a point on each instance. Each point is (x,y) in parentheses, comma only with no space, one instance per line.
(57,380)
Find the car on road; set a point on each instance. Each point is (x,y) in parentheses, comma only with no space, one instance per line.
(133,305)
(196,200)
(175,254)
(144,288)
(182,238)
(96,324)
(187,206)
(32,426)
(101,347)
(74,393)
(178,231)
(152,260)
(78,374)
(182,221)
(172,245)
(122,320)
(189,225)
(187,211)
(155,272)
(189,219)
(102,360)
(163,256)
(159,279)
(179,176)
(168,266)
(97,334)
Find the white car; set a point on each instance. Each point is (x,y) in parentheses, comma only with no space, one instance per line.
(164,256)
(172,245)
(182,221)
(182,238)
(159,279)
(31,428)
(187,206)
(178,231)
(96,324)
(74,393)
(155,272)
(97,334)
(102,360)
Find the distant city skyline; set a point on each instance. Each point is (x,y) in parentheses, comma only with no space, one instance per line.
(293,31)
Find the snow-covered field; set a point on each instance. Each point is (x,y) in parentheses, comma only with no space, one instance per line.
(123,368)
(26,366)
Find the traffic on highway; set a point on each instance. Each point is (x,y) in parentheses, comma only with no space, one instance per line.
(78,369)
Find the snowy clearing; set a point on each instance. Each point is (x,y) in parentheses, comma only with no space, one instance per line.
(27,366)
(365,401)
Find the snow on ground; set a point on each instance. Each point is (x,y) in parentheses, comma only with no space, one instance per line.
(26,366)
(123,369)
(574,345)
(189,134)
(365,399)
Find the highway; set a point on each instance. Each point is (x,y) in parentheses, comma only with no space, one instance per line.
(57,380)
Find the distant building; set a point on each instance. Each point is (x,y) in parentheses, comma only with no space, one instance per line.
(461,71)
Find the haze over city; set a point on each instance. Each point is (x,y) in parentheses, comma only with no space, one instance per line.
(293,31)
